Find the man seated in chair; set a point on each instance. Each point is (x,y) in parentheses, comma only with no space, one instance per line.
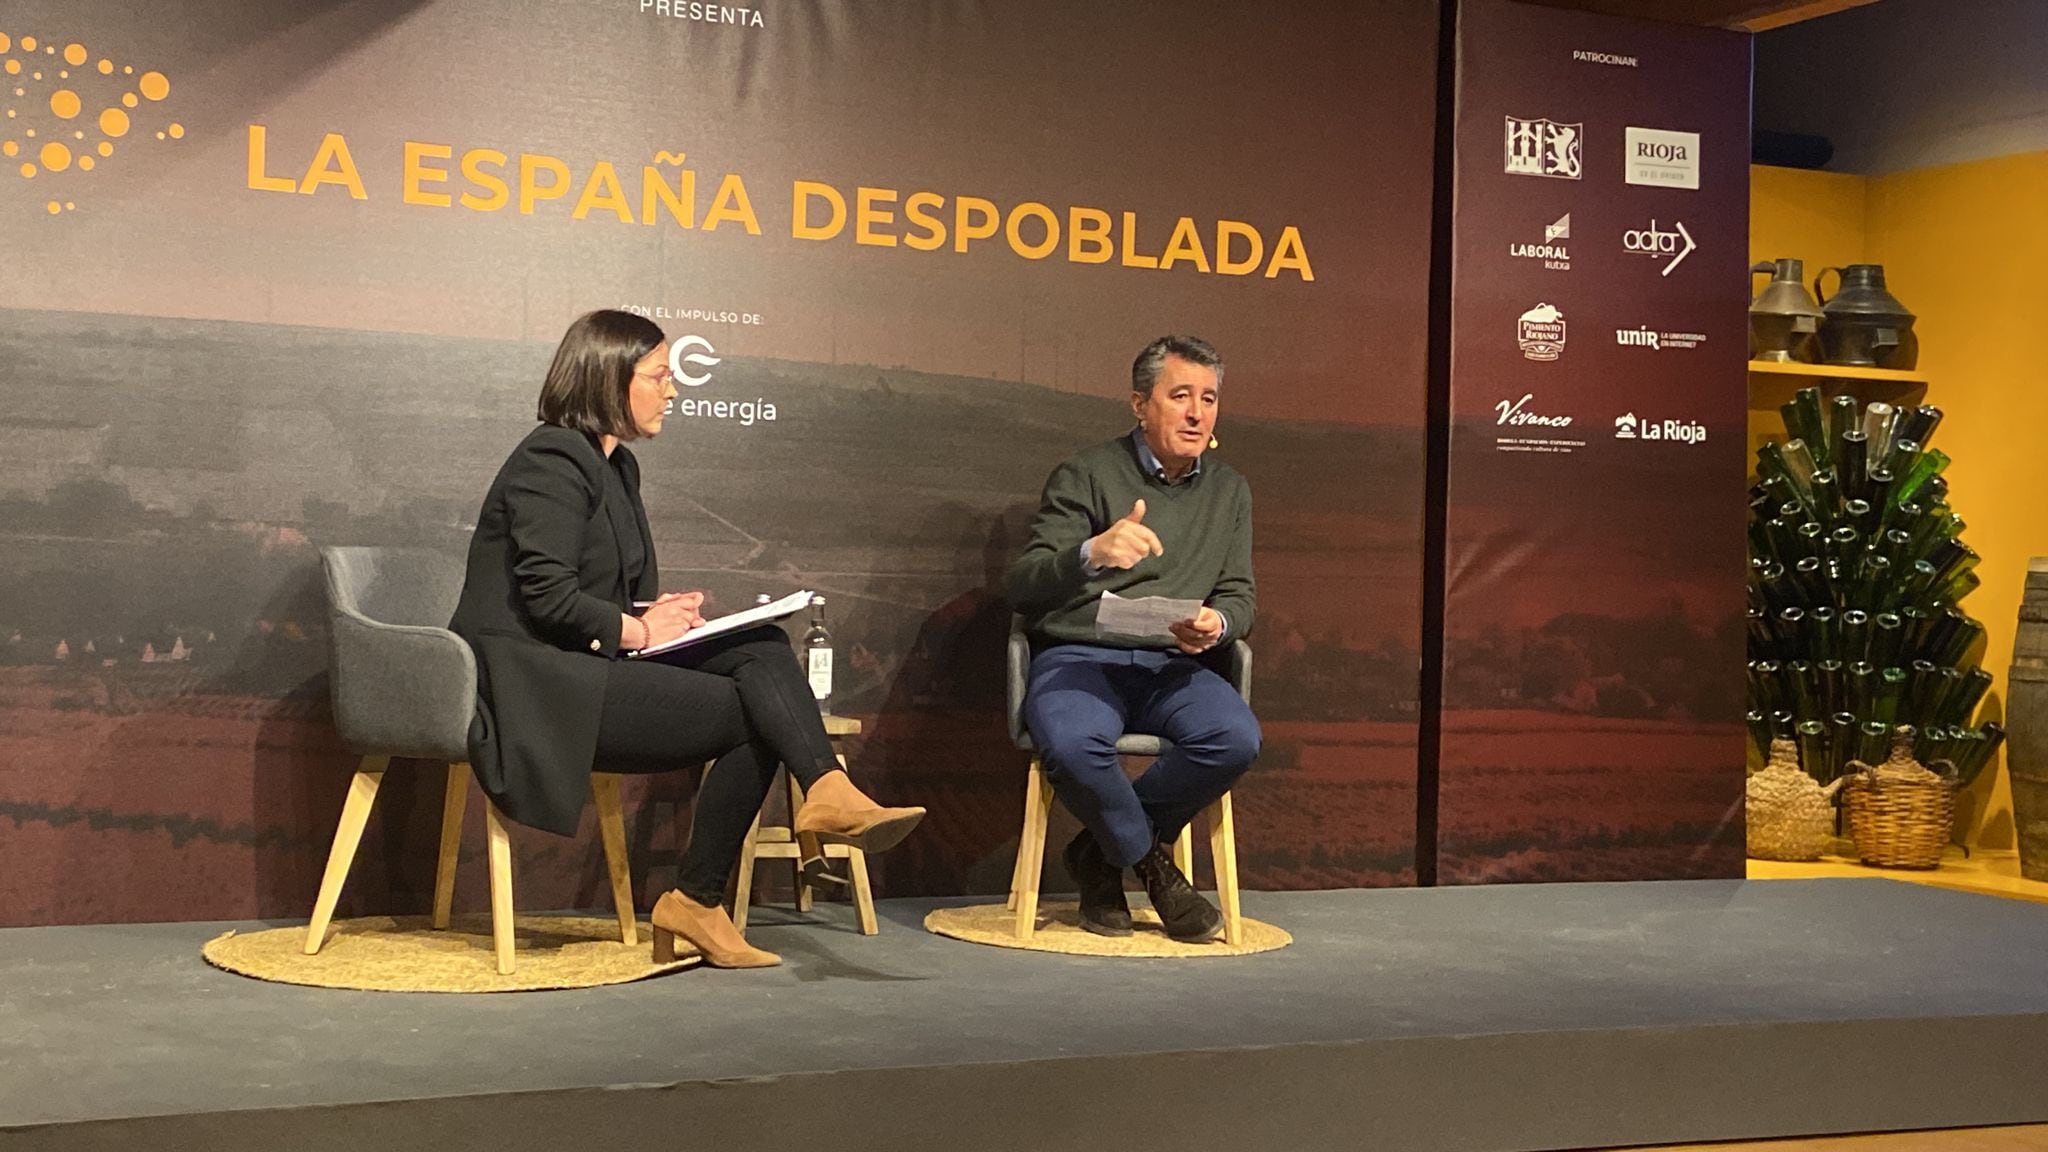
(1141,515)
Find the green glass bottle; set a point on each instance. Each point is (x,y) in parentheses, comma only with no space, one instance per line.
(1913,480)
(1887,639)
(1842,417)
(1812,738)
(1873,741)
(1806,422)
(1852,467)
(1877,427)
(1842,740)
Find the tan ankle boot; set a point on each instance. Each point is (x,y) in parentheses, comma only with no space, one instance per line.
(836,812)
(709,930)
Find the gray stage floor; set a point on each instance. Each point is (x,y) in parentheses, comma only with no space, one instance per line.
(124,1021)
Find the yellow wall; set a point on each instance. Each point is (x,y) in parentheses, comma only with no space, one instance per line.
(1965,248)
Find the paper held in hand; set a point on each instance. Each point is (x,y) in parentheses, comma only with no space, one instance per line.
(1147,617)
(789,605)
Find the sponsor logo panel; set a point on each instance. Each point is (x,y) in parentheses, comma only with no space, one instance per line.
(1554,256)
(1528,428)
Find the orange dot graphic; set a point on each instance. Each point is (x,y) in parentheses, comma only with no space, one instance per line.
(114,122)
(74,54)
(31,132)
(64,74)
(128,71)
(10,149)
(5,43)
(106,148)
(68,205)
(154,85)
(106,67)
(78,135)
(65,103)
(55,207)
(28,43)
(14,67)
(36,76)
(28,171)
(129,99)
(50,50)
(56,157)
(159,135)
(177,131)
(85,163)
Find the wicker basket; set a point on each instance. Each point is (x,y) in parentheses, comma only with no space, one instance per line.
(1789,814)
(1900,814)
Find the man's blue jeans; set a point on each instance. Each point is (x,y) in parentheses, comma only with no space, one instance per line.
(1080,698)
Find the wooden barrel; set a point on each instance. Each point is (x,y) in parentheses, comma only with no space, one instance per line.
(2026,755)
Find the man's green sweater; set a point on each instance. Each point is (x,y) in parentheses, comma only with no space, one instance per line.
(1204,525)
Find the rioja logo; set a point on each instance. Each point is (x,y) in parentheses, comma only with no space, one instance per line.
(1540,332)
(1662,159)
(1544,148)
(1628,427)
(1555,256)
(1518,415)
(1670,247)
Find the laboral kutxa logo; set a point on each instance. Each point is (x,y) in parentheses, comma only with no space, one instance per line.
(1540,332)
(1663,159)
(1628,427)
(1544,148)
(1669,248)
(690,360)
(1554,255)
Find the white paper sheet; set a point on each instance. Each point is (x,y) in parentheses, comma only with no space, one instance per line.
(1146,617)
(789,605)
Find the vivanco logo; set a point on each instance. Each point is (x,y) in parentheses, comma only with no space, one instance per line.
(70,113)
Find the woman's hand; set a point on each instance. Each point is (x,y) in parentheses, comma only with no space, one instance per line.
(671,615)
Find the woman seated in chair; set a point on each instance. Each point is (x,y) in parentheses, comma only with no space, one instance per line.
(561,554)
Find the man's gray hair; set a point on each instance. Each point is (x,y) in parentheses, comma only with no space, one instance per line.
(1193,349)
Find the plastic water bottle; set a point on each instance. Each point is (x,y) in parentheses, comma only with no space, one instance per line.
(818,656)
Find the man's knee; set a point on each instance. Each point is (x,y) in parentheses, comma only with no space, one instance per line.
(1234,742)
(1070,746)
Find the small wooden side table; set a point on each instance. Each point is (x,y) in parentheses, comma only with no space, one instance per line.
(775,842)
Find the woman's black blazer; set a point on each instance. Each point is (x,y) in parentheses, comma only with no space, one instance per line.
(540,606)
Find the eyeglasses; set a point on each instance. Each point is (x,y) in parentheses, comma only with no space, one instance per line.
(661,376)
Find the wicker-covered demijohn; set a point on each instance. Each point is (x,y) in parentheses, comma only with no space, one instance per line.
(1789,814)
(1900,813)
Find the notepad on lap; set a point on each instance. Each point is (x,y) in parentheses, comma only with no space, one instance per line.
(1146,617)
(789,605)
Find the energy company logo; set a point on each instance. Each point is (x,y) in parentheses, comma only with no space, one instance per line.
(1662,159)
(1655,341)
(1669,247)
(1628,427)
(688,353)
(1554,256)
(703,13)
(1544,148)
(694,350)
(69,113)
(1540,332)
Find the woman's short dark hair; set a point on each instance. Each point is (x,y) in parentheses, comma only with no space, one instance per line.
(589,384)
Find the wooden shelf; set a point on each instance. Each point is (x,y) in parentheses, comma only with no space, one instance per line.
(1985,872)
(1832,372)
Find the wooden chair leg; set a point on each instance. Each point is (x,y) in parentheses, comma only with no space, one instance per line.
(863,894)
(355,813)
(1031,849)
(1223,854)
(743,876)
(1184,852)
(611,827)
(453,800)
(796,801)
(501,886)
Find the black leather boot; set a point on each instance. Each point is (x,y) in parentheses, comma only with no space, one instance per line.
(1103,908)
(1188,916)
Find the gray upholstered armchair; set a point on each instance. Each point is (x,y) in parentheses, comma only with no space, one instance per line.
(405,686)
(1038,797)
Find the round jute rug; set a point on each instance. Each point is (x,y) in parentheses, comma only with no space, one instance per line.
(407,954)
(1059,930)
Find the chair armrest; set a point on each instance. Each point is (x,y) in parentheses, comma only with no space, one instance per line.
(1019,661)
(400,689)
(1241,669)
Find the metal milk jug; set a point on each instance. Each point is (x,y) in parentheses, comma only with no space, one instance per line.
(1863,325)
(1784,321)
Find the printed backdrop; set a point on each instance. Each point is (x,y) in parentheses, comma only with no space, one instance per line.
(280,276)
(1593,645)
